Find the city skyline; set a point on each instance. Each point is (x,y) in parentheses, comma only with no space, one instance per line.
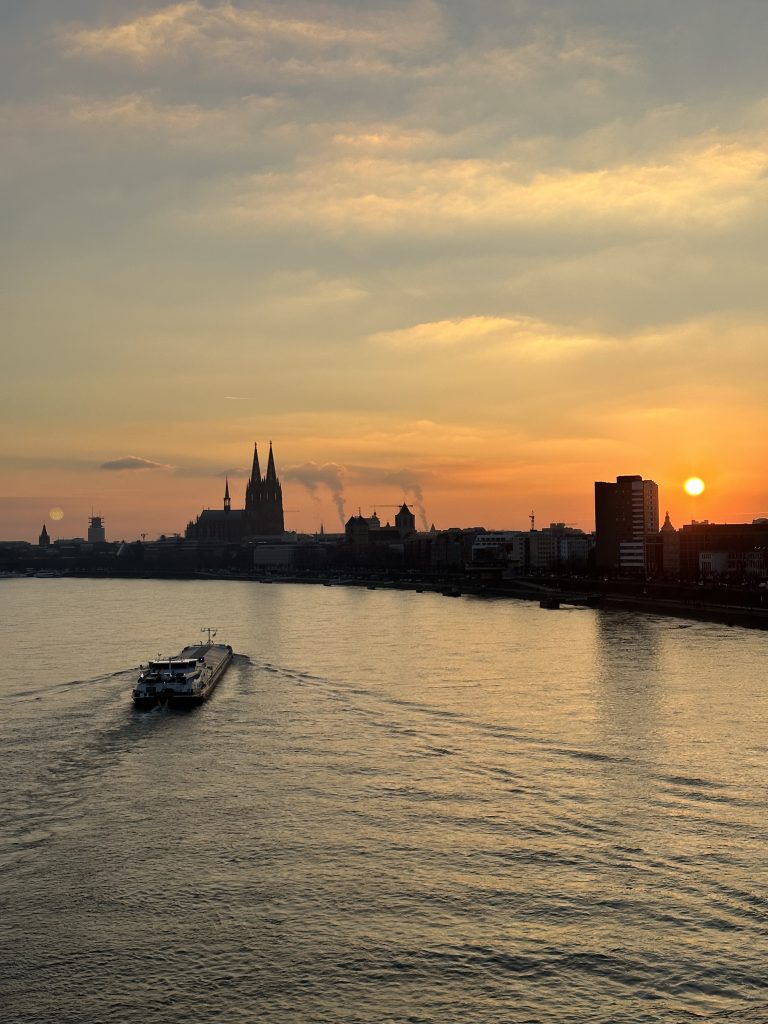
(325,487)
(329,492)
(475,257)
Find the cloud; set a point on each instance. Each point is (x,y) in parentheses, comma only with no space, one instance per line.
(523,337)
(224,32)
(444,333)
(114,122)
(234,472)
(703,184)
(414,45)
(312,476)
(144,112)
(132,462)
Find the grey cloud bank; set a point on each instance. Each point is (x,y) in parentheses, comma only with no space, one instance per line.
(131,462)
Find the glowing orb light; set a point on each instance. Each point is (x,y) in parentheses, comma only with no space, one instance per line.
(56,513)
(694,485)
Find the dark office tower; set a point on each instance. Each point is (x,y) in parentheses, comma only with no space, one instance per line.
(626,514)
(264,499)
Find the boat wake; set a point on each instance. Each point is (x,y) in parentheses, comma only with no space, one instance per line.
(50,689)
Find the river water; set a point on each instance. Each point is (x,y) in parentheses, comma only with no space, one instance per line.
(396,807)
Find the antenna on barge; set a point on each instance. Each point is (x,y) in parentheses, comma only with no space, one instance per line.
(211,631)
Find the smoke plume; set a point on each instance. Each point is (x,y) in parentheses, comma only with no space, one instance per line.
(312,476)
(404,479)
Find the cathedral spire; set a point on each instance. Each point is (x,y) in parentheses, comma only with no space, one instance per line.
(253,487)
(271,472)
(227,502)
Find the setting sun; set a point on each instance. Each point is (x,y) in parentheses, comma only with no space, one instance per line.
(694,485)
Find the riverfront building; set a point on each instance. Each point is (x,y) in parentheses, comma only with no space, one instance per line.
(736,550)
(556,548)
(560,548)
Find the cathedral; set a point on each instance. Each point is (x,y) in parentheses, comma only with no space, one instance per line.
(261,517)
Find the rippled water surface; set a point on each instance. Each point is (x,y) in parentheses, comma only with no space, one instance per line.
(396,807)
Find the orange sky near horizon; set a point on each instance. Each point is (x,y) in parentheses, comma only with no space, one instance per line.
(461,493)
(477,256)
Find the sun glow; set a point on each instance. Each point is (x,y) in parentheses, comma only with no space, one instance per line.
(694,485)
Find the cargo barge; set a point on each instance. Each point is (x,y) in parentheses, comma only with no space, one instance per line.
(184,680)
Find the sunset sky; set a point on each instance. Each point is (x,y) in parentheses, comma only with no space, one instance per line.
(479,253)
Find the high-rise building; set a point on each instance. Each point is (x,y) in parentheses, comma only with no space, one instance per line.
(626,515)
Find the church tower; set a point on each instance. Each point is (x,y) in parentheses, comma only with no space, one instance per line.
(405,521)
(227,502)
(44,541)
(264,499)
